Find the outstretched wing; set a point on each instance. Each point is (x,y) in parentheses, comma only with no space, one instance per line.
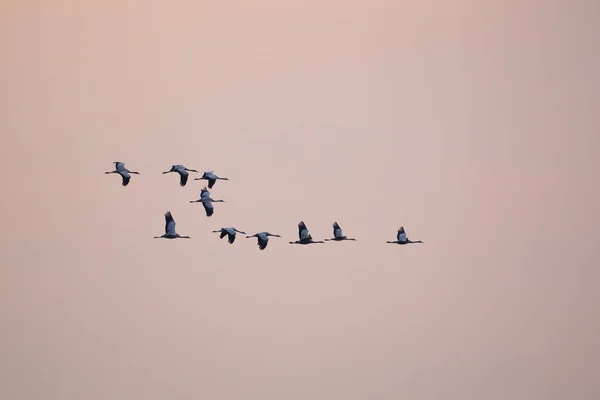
(223,234)
(401,235)
(337,231)
(183,176)
(262,242)
(119,165)
(211,182)
(231,237)
(169,224)
(204,193)
(208,207)
(126,178)
(303,231)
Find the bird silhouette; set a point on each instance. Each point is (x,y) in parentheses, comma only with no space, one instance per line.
(401,238)
(170,232)
(124,172)
(182,171)
(304,235)
(263,239)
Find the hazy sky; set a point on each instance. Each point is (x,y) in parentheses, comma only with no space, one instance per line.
(473,124)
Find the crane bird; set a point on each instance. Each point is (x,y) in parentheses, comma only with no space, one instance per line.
(124,172)
(211,178)
(304,235)
(263,239)
(170,229)
(207,201)
(230,232)
(182,171)
(401,238)
(337,234)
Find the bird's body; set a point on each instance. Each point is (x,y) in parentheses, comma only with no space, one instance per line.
(402,238)
(337,234)
(182,171)
(211,178)
(229,232)
(207,201)
(304,235)
(170,232)
(124,172)
(263,239)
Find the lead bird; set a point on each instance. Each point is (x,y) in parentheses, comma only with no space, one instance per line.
(402,238)
(211,178)
(263,239)
(182,171)
(337,234)
(207,201)
(124,172)
(304,235)
(229,232)
(170,232)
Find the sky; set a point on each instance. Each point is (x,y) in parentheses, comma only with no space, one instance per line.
(472,124)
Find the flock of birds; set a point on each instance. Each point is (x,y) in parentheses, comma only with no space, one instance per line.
(262,237)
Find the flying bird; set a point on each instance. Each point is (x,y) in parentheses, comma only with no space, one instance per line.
(401,238)
(263,239)
(124,172)
(230,232)
(211,178)
(304,235)
(337,234)
(207,201)
(182,171)
(170,229)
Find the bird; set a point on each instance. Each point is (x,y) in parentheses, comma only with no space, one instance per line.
(337,234)
(304,235)
(230,232)
(207,201)
(263,239)
(401,238)
(124,172)
(182,171)
(211,178)
(170,229)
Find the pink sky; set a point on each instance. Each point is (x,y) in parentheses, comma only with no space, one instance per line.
(473,124)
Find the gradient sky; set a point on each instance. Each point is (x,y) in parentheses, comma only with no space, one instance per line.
(473,124)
